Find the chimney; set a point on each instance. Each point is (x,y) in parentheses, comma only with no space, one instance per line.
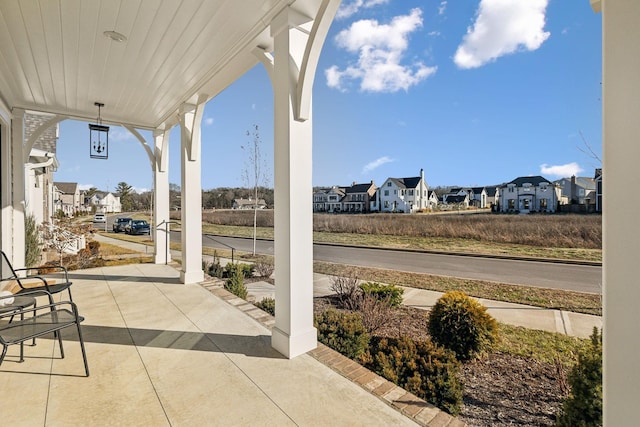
(574,191)
(422,174)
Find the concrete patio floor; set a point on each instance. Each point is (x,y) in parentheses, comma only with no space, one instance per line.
(162,353)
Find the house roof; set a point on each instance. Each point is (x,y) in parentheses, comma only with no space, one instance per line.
(533,180)
(411,182)
(66,187)
(478,190)
(456,199)
(359,188)
(491,190)
(61,58)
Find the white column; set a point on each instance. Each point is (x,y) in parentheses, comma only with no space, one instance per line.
(18,188)
(191,197)
(6,200)
(621,246)
(293,333)
(161,196)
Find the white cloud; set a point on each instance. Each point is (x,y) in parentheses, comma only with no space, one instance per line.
(347,9)
(433,33)
(380,48)
(208,121)
(376,164)
(502,27)
(119,134)
(561,171)
(442,8)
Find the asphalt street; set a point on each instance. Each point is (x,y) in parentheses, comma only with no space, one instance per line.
(582,278)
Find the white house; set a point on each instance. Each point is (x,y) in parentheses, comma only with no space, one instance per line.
(478,197)
(529,194)
(493,195)
(69,200)
(403,194)
(105,202)
(248,204)
(432,201)
(578,189)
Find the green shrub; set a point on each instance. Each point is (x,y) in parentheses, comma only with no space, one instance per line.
(583,407)
(268,305)
(235,284)
(31,241)
(245,269)
(343,332)
(383,292)
(461,324)
(420,367)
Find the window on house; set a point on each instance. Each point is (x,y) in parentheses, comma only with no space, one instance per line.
(386,203)
(526,203)
(411,192)
(395,192)
(543,204)
(386,192)
(388,184)
(511,204)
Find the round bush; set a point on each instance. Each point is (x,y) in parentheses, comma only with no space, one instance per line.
(420,367)
(461,324)
(343,332)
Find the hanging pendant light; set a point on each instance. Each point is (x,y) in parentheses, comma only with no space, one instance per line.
(98,137)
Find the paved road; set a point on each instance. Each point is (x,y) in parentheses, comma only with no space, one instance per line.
(548,275)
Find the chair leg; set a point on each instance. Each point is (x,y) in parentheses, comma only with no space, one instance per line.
(84,353)
(4,352)
(60,342)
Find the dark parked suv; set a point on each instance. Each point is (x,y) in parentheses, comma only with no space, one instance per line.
(119,224)
(138,226)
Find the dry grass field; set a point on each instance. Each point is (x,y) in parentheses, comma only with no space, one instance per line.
(567,236)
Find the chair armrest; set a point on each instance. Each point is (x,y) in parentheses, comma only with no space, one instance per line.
(52,306)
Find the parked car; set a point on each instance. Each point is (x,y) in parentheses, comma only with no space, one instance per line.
(138,226)
(99,218)
(119,225)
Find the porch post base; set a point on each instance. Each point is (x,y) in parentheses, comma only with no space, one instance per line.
(191,276)
(293,346)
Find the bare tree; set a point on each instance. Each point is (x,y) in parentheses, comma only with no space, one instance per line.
(255,173)
(587,149)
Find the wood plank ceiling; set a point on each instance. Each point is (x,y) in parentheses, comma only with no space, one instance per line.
(55,57)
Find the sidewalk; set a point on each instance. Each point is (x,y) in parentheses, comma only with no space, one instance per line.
(564,322)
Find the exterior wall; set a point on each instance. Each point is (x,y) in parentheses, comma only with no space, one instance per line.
(529,199)
(390,198)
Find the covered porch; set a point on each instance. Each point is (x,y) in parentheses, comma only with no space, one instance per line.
(152,66)
(164,353)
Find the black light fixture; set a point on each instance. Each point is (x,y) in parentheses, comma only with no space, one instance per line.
(98,137)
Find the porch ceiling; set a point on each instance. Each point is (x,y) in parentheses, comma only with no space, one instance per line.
(54,56)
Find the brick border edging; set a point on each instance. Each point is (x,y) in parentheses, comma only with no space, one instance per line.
(407,403)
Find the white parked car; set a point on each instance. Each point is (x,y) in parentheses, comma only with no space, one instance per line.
(99,218)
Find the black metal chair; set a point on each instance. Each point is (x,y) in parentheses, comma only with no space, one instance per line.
(44,319)
(34,278)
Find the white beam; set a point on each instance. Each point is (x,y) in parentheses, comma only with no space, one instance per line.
(161,206)
(621,243)
(191,198)
(18,186)
(293,333)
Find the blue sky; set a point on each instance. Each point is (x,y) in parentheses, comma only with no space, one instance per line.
(473,92)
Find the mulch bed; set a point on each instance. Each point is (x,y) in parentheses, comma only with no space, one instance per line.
(499,389)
